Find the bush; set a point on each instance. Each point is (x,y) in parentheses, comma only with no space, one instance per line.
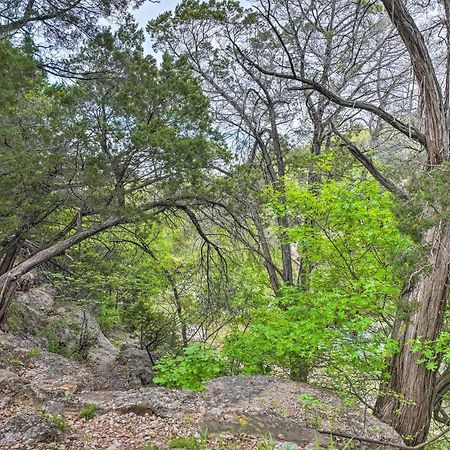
(88,412)
(198,363)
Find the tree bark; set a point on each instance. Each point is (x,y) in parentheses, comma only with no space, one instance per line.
(10,253)
(406,401)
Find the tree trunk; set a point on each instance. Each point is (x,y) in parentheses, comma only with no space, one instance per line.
(10,279)
(10,253)
(406,401)
(8,288)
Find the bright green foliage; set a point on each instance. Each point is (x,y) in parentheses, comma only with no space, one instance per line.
(197,363)
(60,422)
(348,237)
(88,412)
(190,442)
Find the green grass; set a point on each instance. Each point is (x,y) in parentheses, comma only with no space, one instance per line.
(88,412)
(190,442)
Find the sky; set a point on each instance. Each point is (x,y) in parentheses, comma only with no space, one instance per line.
(150,10)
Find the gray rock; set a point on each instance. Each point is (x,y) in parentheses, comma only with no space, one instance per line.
(58,375)
(102,351)
(10,383)
(38,298)
(138,364)
(28,428)
(54,408)
(162,402)
(286,411)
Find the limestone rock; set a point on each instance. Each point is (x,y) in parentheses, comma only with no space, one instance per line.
(58,375)
(138,364)
(286,411)
(10,383)
(27,428)
(38,298)
(53,408)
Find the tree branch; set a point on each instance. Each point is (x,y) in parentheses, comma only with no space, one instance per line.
(404,128)
(369,165)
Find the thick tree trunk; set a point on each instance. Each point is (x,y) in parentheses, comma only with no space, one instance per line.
(406,401)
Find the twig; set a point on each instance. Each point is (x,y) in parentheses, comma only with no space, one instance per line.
(389,444)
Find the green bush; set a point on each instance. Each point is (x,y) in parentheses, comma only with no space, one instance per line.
(198,363)
(59,421)
(88,412)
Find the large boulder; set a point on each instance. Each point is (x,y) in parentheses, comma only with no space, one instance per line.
(57,375)
(137,363)
(287,411)
(281,410)
(78,331)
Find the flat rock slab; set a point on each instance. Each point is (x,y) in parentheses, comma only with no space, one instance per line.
(281,410)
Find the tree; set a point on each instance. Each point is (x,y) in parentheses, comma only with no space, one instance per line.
(66,22)
(120,148)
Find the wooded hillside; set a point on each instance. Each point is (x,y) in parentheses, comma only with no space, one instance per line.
(265,193)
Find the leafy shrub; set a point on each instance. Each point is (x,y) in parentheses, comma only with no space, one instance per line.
(197,364)
(34,352)
(60,423)
(88,412)
(150,446)
(190,442)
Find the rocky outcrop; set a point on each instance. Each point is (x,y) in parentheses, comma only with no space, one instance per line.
(37,385)
(263,406)
(28,428)
(30,374)
(57,375)
(137,363)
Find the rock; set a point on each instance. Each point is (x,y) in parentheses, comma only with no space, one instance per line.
(28,428)
(288,411)
(10,383)
(38,298)
(53,408)
(261,406)
(155,400)
(102,351)
(25,319)
(31,279)
(138,364)
(114,446)
(58,375)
